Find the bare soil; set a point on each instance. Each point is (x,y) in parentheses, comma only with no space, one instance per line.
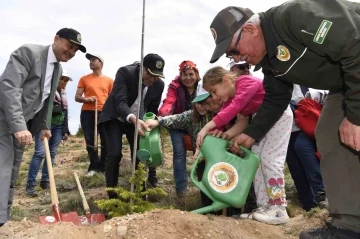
(159,223)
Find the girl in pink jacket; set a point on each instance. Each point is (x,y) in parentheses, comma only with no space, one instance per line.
(244,95)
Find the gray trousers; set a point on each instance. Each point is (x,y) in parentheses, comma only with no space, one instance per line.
(340,166)
(11,153)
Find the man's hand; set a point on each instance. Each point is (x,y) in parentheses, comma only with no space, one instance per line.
(45,133)
(243,140)
(90,99)
(141,127)
(24,137)
(65,136)
(350,134)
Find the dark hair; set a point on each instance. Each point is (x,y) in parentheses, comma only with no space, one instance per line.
(242,66)
(195,113)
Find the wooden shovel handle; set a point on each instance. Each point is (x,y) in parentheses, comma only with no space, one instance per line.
(53,193)
(95,130)
(85,204)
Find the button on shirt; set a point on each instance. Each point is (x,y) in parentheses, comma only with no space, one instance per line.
(48,76)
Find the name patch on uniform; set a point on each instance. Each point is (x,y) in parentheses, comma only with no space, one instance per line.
(322,31)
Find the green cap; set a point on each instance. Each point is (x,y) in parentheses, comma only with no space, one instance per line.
(225,25)
(201,94)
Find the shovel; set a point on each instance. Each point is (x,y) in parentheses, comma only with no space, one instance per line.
(57,216)
(88,218)
(95,130)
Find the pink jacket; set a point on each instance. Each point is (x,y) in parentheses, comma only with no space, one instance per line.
(248,98)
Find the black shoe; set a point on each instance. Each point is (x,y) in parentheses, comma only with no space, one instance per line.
(153,181)
(329,232)
(2,224)
(321,199)
(44,185)
(31,190)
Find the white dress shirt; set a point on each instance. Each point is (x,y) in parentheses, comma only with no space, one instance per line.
(48,75)
(134,107)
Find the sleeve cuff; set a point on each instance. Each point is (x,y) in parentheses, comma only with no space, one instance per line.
(128,117)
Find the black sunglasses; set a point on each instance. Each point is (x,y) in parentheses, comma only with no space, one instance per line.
(233,51)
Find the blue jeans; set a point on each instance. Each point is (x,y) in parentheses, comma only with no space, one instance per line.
(179,160)
(304,168)
(305,149)
(39,155)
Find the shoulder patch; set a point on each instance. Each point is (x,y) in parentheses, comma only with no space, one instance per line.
(322,32)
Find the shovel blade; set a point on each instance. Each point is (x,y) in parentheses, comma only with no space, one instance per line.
(65,217)
(93,219)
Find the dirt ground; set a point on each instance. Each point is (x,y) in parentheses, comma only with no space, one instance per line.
(166,224)
(169,224)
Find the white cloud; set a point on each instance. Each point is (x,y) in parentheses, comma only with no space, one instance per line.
(176,30)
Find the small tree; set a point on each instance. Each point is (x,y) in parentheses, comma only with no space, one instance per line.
(80,132)
(122,206)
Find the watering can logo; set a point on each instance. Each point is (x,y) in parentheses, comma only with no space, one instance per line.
(223,177)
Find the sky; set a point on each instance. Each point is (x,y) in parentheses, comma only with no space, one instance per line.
(177,30)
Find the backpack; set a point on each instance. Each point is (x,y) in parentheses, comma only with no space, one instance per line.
(307,114)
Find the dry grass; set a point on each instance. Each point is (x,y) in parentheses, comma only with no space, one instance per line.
(72,156)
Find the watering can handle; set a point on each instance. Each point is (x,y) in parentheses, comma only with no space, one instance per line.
(192,173)
(244,152)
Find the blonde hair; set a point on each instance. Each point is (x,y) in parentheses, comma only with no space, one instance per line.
(214,76)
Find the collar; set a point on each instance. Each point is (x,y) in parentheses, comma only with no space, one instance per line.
(51,56)
(270,36)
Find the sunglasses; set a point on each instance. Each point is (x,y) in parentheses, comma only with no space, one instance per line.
(234,51)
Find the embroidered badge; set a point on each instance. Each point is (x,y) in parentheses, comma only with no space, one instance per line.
(213,32)
(159,64)
(78,37)
(322,31)
(283,54)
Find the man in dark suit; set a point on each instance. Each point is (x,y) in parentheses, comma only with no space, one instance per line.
(27,89)
(118,114)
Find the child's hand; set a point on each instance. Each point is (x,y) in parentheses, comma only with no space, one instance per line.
(151,123)
(197,154)
(200,137)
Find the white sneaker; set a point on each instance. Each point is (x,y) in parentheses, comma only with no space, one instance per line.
(272,215)
(246,216)
(90,173)
(250,215)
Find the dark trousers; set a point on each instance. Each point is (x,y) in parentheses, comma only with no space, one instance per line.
(304,168)
(340,166)
(114,130)
(87,119)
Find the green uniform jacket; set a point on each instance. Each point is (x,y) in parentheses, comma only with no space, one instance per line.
(314,43)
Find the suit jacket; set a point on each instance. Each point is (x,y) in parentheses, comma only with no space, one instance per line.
(125,92)
(21,89)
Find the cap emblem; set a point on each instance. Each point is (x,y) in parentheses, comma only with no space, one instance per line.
(78,37)
(213,32)
(159,64)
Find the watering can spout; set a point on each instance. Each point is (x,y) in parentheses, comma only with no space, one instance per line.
(216,206)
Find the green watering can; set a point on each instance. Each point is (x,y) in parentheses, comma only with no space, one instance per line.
(227,177)
(150,152)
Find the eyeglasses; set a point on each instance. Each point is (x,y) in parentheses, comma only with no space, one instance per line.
(234,51)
